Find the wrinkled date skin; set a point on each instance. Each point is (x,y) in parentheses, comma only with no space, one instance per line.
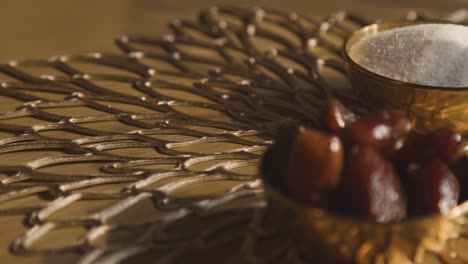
(385,131)
(337,116)
(432,189)
(373,187)
(315,166)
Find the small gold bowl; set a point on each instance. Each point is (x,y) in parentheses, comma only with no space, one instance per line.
(428,106)
(327,237)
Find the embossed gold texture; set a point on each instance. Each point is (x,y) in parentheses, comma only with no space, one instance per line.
(321,235)
(428,106)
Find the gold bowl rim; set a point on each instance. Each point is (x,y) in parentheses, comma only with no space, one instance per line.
(379,77)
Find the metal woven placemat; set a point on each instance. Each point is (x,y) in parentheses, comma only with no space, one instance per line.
(150,155)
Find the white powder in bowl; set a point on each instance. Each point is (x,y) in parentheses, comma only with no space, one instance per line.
(429,54)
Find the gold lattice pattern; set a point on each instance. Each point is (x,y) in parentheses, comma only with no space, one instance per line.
(150,155)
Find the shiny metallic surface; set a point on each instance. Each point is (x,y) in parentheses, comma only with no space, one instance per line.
(429,106)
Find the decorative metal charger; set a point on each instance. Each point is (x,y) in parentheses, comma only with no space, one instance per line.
(151,155)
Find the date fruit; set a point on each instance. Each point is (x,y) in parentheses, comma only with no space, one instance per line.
(337,116)
(275,160)
(432,189)
(449,144)
(314,166)
(373,187)
(385,131)
(444,143)
(373,167)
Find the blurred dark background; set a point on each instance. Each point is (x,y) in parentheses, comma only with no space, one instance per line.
(39,29)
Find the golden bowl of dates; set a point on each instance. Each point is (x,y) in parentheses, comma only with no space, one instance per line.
(366,189)
(428,105)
